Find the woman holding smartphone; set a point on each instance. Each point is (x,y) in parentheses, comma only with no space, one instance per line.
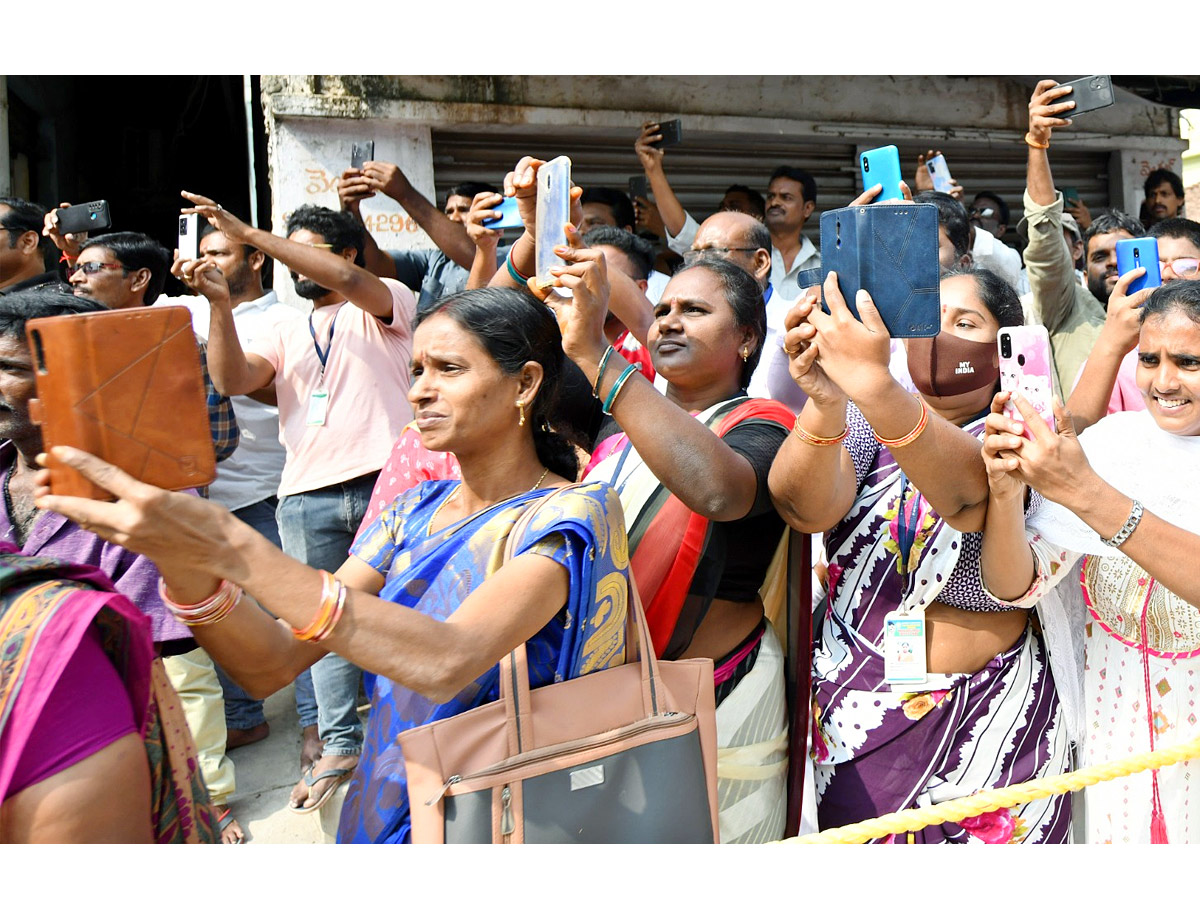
(1113,570)
(895,483)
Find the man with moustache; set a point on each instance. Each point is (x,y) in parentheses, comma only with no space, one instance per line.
(341,377)
(1164,196)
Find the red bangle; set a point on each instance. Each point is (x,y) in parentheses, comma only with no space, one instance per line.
(65,258)
(912,435)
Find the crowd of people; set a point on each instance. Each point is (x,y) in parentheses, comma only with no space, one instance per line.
(695,394)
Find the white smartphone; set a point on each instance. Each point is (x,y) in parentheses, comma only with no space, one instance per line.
(553,214)
(1025,370)
(939,172)
(189,236)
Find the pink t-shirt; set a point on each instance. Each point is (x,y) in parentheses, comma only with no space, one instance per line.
(367,377)
(409,464)
(1126,397)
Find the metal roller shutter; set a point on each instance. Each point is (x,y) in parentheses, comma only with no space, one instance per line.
(706,163)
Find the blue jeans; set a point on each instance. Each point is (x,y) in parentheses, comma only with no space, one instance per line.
(317,528)
(241,710)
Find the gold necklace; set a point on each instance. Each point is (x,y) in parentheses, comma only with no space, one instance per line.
(545,472)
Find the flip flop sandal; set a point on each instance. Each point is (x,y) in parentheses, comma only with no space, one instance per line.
(338,776)
(224,820)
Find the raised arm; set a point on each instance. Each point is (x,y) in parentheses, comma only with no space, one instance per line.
(233,371)
(450,236)
(1007,563)
(695,465)
(651,157)
(812,480)
(195,544)
(1088,403)
(330,270)
(353,188)
(486,240)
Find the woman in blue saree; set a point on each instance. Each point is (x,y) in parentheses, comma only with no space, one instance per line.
(425,599)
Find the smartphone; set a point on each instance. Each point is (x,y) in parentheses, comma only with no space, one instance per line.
(361,152)
(84,217)
(505,215)
(940,173)
(639,186)
(671,131)
(1134,252)
(553,214)
(1070,196)
(125,385)
(1089,93)
(1025,370)
(882,166)
(189,236)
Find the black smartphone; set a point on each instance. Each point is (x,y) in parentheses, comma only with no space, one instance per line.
(361,152)
(671,131)
(639,186)
(1092,92)
(1070,195)
(84,217)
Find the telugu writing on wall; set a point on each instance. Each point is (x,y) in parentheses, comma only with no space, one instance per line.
(319,181)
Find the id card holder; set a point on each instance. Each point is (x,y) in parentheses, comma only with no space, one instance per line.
(904,648)
(318,405)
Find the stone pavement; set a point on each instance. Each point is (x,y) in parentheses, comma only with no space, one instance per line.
(266,772)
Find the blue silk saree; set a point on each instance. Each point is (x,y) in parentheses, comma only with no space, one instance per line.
(583,529)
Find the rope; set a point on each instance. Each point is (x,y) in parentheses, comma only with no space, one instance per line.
(999,798)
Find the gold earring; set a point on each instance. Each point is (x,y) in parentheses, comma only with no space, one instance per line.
(745,354)
(521,407)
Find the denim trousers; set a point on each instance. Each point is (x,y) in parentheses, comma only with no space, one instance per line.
(317,528)
(243,712)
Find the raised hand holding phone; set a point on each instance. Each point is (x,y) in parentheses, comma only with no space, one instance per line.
(1025,371)
(882,166)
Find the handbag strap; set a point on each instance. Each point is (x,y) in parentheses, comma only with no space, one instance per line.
(514,666)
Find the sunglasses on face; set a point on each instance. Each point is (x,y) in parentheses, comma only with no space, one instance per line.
(92,268)
(983,213)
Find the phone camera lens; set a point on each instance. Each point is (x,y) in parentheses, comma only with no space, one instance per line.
(866,164)
(92,217)
(1005,346)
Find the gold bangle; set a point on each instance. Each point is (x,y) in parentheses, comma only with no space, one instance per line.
(912,435)
(1032,143)
(816,441)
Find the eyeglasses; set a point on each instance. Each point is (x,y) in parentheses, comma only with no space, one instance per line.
(1183,266)
(692,255)
(92,268)
(982,212)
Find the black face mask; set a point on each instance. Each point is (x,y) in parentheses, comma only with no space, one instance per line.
(947,366)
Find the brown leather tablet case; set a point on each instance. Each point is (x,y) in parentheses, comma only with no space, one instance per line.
(124,385)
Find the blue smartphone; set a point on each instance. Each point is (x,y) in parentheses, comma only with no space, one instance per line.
(1143,252)
(505,215)
(882,166)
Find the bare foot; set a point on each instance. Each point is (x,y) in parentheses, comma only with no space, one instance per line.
(310,747)
(316,787)
(240,737)
(231,831)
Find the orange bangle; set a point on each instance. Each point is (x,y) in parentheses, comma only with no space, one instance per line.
(333,602)
(1032,143)
(818,441)
(912,435)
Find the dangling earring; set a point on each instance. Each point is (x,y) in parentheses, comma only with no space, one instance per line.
(521,407)
(745,354)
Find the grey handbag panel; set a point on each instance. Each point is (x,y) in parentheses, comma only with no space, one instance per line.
(653,794)
(469,817)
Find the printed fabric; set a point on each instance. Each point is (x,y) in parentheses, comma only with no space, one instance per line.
(877,750)
(433,572)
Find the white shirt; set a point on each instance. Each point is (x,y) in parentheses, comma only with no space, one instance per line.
(1000,258)
(655,285)
(252,473)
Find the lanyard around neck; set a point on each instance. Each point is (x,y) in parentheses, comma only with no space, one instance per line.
(323,355)
(907,525)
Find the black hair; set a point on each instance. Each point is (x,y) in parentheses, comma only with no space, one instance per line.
(994,292)
(515,328)
(807,182)
(758,236)
(1177,228)
(745,297)
(339,228)
(1158,176)
(952,216)
(639,250)
(134,250)
(24,215)
(755,198)
(469,189)
(1000,204)
(1110,220)
(617,201)
(40,302)
(1173,295)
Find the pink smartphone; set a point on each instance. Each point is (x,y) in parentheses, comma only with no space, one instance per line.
(1025,370)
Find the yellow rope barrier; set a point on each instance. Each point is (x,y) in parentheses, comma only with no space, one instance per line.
(998,798)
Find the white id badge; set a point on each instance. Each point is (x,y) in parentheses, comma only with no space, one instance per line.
(318,404)
(904,648)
